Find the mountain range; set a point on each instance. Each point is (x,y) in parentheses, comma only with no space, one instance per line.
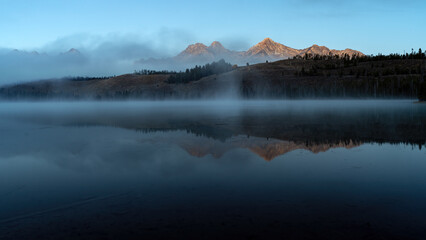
(110,61)
(266,50)
(70,52)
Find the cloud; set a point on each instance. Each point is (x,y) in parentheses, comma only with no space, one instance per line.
(100,55)
(20,66)
(104,55)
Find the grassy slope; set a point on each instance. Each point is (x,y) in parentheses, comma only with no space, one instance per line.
(286,78)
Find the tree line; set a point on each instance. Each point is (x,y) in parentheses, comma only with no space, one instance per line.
(364,58)
(80,79)
(199,72)
(152,72)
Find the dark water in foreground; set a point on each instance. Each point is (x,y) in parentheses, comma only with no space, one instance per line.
(213,170)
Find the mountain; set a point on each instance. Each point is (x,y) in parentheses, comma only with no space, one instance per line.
(25,53)
(267,49)
(322,50)
(217,48)
(72,51)
(315,49)
(199,53)
(197,49)
(271,49)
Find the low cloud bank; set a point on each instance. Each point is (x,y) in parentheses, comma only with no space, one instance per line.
(86,55)
(99,56)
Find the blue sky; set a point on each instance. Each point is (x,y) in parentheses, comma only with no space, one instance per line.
(369,26)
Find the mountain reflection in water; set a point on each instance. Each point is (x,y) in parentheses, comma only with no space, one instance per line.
(267,149)
(196,170)
(310,125)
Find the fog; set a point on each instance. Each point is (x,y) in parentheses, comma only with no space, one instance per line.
(100,55)
(106,58)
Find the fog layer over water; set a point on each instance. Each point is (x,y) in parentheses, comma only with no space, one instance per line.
(244,169)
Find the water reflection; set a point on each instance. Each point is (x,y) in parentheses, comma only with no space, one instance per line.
(268,149)
(346,169)
(275,125)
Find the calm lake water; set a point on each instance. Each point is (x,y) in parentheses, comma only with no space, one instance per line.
(212,170)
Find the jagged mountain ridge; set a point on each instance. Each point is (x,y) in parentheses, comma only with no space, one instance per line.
(269,48)
(39,58)
(71,51)
(199,50)
(266,50)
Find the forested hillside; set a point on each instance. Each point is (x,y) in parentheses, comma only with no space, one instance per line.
(310,76)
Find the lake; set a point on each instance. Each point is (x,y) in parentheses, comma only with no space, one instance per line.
(213,169)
